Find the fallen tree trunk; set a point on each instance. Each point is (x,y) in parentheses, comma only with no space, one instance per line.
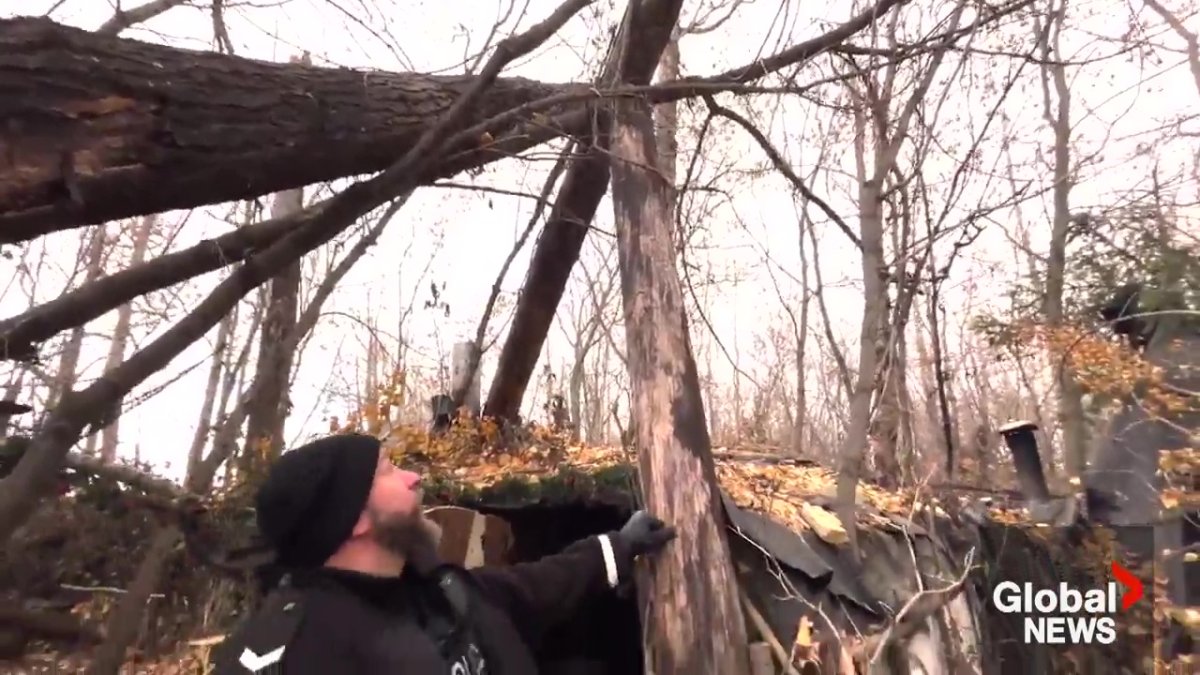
(169,128)
(99,128)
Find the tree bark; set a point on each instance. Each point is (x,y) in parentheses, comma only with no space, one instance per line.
(666,117)
(168,128)
(696,625)
(550,267)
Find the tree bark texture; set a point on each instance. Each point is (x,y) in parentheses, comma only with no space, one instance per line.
(696,625)
(98,128)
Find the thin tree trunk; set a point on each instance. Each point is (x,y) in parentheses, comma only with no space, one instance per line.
(204,421)
(1070,402)
(68,361)
(940,379)
(855,443)
(120,336)
(798,424)
(268,410)
(695,622)
(839,359)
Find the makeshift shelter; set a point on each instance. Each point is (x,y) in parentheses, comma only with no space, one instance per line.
(798,581)
(802,592)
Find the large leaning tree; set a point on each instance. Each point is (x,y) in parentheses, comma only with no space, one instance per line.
(97,128)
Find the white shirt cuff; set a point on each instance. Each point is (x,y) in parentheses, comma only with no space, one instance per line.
(610,560)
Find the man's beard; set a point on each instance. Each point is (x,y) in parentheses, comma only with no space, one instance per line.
(410,535)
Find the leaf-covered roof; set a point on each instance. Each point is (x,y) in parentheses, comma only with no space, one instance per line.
(470,464)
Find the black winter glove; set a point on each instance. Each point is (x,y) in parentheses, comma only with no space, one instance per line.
(644,534)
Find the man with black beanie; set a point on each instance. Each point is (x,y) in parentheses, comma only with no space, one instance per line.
(362,589)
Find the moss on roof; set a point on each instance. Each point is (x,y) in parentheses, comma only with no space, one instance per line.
(609,484)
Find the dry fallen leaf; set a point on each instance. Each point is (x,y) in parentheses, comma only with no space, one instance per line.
(804,633)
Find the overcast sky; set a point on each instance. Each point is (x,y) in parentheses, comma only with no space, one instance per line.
(462,237)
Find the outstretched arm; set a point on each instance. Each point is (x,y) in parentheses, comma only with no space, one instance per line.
(538,595)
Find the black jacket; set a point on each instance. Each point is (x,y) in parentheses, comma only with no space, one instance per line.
(347,623)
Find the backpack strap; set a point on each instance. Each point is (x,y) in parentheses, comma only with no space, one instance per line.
(260,641)
(457,594)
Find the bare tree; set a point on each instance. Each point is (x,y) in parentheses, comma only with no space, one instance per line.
(877,141)
(589,327)
(583,187)
(93,249)
(1057,112)
(119,340)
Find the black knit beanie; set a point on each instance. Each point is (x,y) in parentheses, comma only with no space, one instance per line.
(313,496)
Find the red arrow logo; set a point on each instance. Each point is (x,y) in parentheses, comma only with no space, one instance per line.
(1128,580)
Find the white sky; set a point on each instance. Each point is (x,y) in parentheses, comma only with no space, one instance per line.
(463,237)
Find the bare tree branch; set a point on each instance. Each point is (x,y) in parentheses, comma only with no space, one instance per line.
(784,168)
(127,18)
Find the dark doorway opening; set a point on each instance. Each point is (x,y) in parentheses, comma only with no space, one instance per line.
(604,637)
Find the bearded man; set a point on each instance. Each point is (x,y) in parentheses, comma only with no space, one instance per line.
(361,589)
